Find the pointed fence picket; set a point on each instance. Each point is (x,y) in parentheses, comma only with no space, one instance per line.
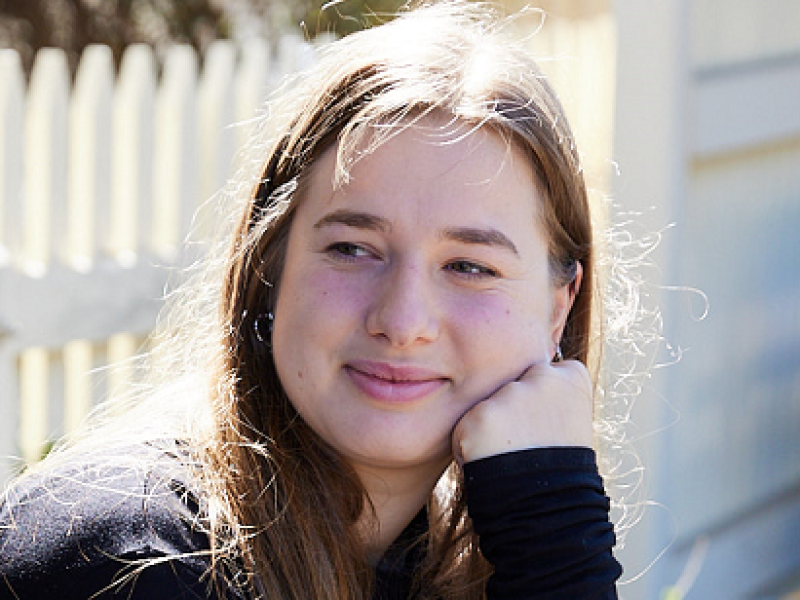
(11,111)
(90,140)
(99,183)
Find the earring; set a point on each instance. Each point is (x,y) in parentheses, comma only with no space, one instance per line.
(559,356)
(262,326)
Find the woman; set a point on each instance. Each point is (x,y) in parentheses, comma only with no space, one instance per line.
(399,403)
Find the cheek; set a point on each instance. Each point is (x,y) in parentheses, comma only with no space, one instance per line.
(333,296)
(315,306)
(502,330)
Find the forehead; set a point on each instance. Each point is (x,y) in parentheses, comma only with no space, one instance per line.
(426,157)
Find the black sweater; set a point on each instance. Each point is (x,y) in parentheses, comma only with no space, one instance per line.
(72,532)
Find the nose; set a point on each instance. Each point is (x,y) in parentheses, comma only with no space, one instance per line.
(404,310)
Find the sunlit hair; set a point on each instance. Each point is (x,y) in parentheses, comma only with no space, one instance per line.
(282,504)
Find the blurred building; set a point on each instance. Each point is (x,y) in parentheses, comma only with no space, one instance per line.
(707,136)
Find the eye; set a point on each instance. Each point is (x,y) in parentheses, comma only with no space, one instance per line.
(347,251)
(471,269)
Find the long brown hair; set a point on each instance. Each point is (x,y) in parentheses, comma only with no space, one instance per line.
(282,503)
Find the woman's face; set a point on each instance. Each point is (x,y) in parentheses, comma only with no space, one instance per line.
(412,293)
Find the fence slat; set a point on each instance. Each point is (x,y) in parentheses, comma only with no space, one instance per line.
(33,417)
(45,156)
(121,376)
(56,392)
(216,112)
(175,151)
(9,410)
(252,84)
(90,155)
(134,142)
(216,137)
(12,96)
(78,378)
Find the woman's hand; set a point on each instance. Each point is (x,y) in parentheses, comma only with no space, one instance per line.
(548,405)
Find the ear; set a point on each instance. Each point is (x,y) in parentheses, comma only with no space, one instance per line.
(563,299)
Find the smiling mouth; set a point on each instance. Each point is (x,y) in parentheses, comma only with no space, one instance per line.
(394,384)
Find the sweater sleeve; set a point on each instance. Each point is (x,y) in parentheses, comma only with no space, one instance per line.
(542,519)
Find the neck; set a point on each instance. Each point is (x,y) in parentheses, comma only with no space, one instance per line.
(397,495)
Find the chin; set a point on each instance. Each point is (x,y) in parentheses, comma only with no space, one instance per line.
(400,457)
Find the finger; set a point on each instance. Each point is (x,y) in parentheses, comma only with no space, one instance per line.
(567,370)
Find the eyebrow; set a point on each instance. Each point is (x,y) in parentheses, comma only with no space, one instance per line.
(475,235)
(350,218)
(465,235)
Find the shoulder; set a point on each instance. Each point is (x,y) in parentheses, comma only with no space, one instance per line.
(94,518)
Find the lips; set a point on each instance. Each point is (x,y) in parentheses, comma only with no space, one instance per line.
(390,383)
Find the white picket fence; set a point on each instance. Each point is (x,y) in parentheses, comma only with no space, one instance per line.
(99,181)
(98,184)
